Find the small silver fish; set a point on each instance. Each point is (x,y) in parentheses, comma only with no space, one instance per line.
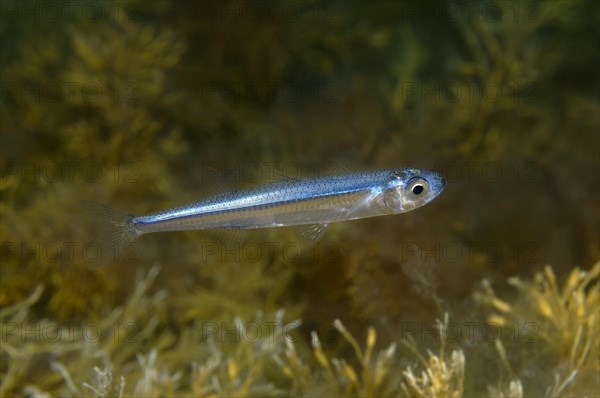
(311,202)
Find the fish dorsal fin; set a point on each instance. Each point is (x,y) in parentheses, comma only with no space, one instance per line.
(279,175)
(214,181)
(310,234)
(332,169)
(328,169)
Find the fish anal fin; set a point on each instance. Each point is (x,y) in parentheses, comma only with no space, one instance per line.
(310,234)
(227,235)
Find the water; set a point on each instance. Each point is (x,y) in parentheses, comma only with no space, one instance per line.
(154,105)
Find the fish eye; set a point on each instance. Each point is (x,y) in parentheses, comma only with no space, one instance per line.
(418,187)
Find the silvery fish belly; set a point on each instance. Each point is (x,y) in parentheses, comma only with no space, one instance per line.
(313,202)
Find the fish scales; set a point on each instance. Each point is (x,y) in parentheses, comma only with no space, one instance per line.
(297,202)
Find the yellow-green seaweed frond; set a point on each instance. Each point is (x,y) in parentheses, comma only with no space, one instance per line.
(563,320)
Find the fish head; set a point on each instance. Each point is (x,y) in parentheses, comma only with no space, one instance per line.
(408,189)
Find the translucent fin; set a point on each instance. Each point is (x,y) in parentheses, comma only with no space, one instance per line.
(116,233)
(309,235)
(360,204)
(223,236)
(332,169)
(278,175)
(329,169)
(214,181)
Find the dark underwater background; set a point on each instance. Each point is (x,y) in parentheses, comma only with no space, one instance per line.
(490,290)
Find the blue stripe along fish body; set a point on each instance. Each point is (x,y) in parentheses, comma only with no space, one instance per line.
(310,201)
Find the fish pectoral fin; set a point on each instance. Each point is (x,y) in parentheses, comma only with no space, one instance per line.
(359,205)
(310,234)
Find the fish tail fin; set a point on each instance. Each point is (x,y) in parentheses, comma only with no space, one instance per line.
(116,234)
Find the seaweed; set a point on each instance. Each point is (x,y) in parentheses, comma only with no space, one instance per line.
(239,360)
(130,105)
(563,319)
